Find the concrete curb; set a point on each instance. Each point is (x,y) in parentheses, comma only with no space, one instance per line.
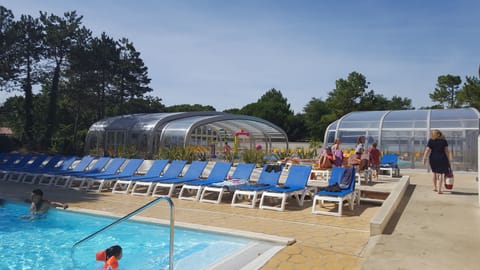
(380,220)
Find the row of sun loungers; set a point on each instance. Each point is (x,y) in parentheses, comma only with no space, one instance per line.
(164,178)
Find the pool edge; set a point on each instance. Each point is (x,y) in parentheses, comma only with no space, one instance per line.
(241,233)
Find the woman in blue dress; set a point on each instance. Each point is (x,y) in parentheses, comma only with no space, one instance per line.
(437,153)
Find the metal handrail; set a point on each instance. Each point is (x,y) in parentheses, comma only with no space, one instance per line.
(172,221)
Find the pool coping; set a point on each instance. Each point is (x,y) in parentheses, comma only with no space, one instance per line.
(286,241)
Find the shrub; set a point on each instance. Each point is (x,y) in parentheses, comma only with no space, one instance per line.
(253,156)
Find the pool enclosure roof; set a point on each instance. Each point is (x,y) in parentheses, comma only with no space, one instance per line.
(184,123)
(448,119)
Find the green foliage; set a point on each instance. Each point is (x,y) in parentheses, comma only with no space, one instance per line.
(273,107)
(61,33)
(303,153)
(177,152)
(282,153)
(253,156)
(351,95)
(189,108)
(315,146)
(446,91)
(7,44)
(8,144)
(296,129)
(398,103)
(232,111)
(128,151)
(315,120)
(347,94)
(147,104)
(230,157)
(470,93)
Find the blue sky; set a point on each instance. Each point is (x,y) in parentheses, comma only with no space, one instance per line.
(229,53)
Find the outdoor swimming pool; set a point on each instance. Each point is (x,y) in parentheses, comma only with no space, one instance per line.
(46,243)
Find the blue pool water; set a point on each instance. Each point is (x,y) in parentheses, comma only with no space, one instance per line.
(46,243)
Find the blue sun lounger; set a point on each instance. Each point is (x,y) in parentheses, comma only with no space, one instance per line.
(389,163)
(3,157)
(123,185)
(241,175)
(294,186)
(97,166)
(148,184)
(339,196)
(268,178)
(191,190)
(30,177)
(46,178)
(193,173)
(10,160)
(60,178)
(15,174)
(98,182)
(111,167)
(21,161)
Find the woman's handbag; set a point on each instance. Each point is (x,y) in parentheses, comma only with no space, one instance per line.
(449,179)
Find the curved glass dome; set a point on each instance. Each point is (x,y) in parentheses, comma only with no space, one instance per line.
(406,133)
(148,133)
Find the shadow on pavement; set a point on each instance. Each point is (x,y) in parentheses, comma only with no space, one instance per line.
(463,193)
(399,211)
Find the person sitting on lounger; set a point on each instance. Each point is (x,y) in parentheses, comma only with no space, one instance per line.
(327,159)
(359,161)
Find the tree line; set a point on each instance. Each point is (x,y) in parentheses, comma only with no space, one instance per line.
(80,78)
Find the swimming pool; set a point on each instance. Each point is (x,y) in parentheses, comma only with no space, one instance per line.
(45,243)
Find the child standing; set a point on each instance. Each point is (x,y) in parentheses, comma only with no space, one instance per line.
(374,158)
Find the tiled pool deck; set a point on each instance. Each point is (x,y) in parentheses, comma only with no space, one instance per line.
(322,242)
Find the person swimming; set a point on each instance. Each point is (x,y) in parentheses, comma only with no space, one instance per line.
(40,206)
(110,256)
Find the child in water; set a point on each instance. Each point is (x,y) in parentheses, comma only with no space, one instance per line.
(110,256)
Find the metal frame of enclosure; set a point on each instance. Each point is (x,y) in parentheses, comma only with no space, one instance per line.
(148,133)
(406,133)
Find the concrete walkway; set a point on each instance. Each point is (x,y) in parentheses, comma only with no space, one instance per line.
(434,231)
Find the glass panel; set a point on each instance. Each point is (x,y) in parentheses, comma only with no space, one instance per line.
(330,137)
(405,124)
(365,116)
(360,124)
(454,123)
(410,115)
(92,144)
(333,126)
(453,114)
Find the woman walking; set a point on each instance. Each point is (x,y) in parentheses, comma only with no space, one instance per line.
(437,153)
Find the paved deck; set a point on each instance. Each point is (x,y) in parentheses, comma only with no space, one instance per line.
(434,231)
(432,227)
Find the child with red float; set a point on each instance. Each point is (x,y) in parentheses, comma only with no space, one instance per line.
(110,256)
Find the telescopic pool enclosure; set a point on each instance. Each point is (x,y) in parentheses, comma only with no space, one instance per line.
(406,133)
(146,134)
(403,132)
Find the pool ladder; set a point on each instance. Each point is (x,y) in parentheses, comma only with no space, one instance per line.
(133,213)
